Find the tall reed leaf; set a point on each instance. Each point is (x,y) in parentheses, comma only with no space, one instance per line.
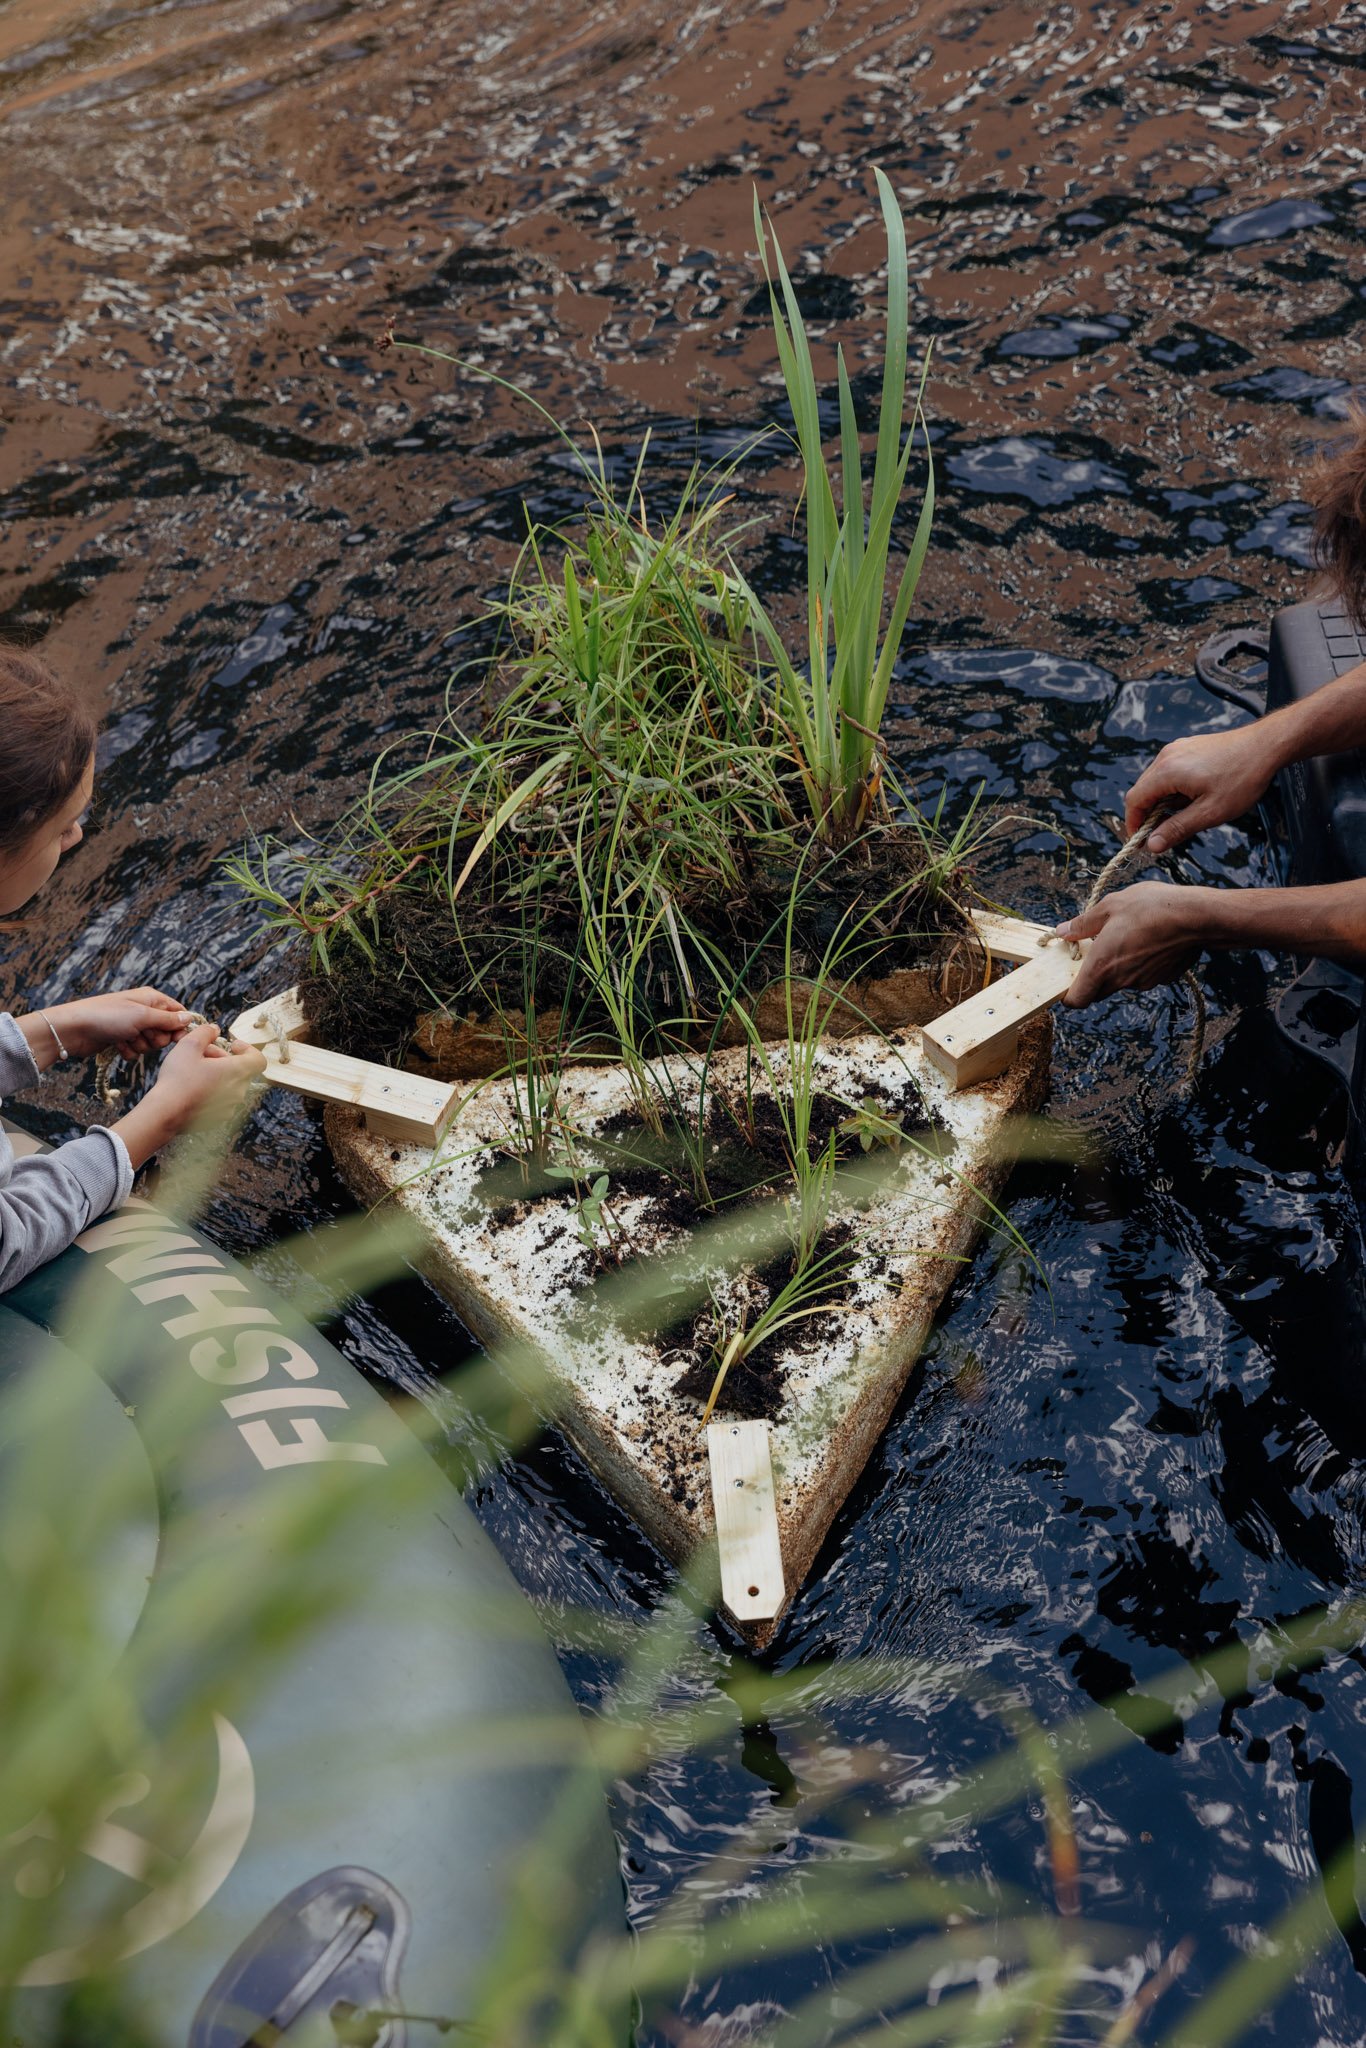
(834,709)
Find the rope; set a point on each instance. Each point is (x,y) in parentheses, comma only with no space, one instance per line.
(1120,869)
(106,1061)
(1130,860)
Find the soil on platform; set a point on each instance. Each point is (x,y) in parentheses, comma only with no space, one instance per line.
(754,1386)
(744,1147)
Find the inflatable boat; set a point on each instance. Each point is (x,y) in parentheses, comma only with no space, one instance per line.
(361,1833)
(1315,813)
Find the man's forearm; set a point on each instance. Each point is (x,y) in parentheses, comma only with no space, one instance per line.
(1331,721)
(1151,932)
(1329,920)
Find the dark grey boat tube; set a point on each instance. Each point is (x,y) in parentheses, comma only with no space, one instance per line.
(369,1824)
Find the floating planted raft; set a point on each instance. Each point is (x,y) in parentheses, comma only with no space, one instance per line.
(512,1261)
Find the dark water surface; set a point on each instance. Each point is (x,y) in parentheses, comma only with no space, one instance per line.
(1136,234)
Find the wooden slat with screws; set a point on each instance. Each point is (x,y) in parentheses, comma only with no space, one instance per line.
(1009,938)
(979,1038)
(746,1520)
(282,1016)
(406,1107)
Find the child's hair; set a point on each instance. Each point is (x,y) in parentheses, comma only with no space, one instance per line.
(1339,492)
(46,738)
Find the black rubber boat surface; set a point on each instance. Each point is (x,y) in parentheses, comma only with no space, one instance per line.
(1316,816)
(1324,799)
(357,1823)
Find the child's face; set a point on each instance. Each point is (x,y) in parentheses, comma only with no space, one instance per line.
(24,871)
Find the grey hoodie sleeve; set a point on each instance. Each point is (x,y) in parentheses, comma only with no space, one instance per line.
(18,1068)
(47,1200)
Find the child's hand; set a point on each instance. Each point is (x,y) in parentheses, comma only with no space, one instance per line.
(198,1084)
(132,1021)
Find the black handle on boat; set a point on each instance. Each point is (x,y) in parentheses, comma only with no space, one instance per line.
(323,1964)
(1214,667)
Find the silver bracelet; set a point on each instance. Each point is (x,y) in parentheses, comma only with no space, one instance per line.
(62,1052)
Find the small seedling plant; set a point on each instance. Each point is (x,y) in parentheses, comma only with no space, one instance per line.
(872,1126)
(593,1225)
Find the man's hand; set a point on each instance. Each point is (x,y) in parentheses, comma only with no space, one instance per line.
(1216,777)
(1144,935)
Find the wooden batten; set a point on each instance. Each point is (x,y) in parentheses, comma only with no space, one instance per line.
(281,1017)
(752,1584)
(396,1104)
(978,1039)
(974,1042)
(1009,938)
